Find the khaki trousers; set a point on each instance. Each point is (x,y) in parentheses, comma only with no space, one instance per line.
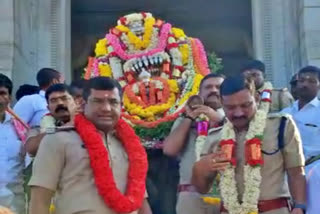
(191,203)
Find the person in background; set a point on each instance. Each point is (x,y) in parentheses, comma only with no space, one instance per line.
(306,110)
(181,142)
(306,113)
(32,108)
(62,108)
(293,86)
(77,87)
(281,98)
(26,89)
(12,154)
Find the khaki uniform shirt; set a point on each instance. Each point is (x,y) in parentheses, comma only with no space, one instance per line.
(62,165)
(191,202)
(188,154)
(281,98)
(273,184)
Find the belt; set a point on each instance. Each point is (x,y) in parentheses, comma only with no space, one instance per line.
(267,205)
(186,188)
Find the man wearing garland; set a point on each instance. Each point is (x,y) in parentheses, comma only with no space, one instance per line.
(281,98)
(100,167)
(250,158)
(182,141)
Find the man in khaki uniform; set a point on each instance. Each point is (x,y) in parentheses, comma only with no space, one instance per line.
(181,142)
(62,163)
(281,98)
(240,107)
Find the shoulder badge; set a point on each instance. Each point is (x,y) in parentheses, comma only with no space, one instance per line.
(277,115)
(280,89)
(52,130)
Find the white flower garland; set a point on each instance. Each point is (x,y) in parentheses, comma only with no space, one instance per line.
(252,175)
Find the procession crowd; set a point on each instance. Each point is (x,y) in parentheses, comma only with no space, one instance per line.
(65,149)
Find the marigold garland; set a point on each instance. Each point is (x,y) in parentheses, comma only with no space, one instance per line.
(102,172)
(152,124)
(135,40)
(195,89)
(178,33)
(101,47)
(150,105)
(105,70)
(150,112)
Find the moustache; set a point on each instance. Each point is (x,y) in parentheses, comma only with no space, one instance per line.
(239,118)
(60,108)
(213,94)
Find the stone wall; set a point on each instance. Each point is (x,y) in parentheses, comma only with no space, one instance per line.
(6,37)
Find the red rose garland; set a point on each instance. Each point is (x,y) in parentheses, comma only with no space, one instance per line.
(102,172)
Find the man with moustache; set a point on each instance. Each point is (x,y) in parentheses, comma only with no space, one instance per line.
(281,98)
(62,108)
(306,113)
(253,155)
(181,142)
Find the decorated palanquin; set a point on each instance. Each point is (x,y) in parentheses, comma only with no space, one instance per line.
(157,65)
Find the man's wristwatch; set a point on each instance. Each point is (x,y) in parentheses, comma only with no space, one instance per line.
(300,206)
(188,117)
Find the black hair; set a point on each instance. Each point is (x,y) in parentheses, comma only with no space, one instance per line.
(310,69)
(26,89)
(80,84)
(101,83)
(211,75)
(45,76)
(6,82)
(294,79)
(57,88)
(232,85)
(254,64)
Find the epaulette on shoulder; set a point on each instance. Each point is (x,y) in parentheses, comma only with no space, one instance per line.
(52,130)
(280,89)
(278,115)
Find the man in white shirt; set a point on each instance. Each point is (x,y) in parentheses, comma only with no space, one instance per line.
(33,107)
(306,113)
(11,155)
(306,110)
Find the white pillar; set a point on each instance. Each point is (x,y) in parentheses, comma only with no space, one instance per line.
(6,37)
(311,31)
(275,35)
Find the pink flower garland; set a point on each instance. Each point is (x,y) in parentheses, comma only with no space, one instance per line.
(200,57)
(115,43)
(95,68)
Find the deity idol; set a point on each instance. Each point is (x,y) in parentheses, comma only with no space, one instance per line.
(157,65)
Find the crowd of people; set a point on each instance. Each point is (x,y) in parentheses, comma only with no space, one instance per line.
(65,149)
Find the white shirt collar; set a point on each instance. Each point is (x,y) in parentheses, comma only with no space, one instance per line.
(42,93)
(314,103)
(7,118)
